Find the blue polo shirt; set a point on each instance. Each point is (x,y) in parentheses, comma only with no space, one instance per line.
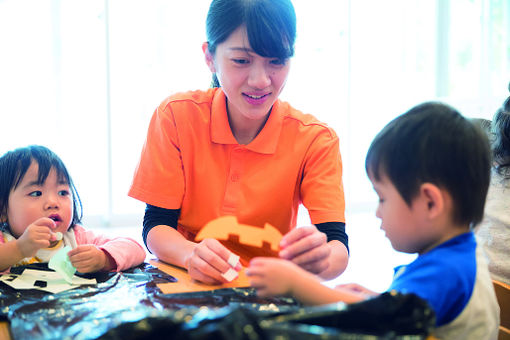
(444,276)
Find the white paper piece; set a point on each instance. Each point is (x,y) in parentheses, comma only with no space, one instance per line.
(233,260)
(55,283)
(58,235)
(229,275)
(61,264)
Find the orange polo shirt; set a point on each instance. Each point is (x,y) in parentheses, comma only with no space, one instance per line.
(191,161)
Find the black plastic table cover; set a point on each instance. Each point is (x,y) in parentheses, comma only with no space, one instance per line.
(129,305)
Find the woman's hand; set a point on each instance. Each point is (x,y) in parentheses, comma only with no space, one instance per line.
(36,236)
(307,247)
(272,276)
(88,258)
(208,260)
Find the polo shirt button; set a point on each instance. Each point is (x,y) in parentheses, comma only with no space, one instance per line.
(234,178)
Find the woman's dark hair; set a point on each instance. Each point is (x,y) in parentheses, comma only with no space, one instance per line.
(270,25)
(14,165)
(500,128)
(434,143)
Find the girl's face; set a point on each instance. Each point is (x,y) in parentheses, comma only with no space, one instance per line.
(31,201)
(252,83)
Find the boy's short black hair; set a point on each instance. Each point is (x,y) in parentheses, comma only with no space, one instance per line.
(433,143)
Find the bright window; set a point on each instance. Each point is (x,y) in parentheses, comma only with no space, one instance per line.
(84,78)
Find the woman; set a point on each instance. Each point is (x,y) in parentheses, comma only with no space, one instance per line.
(238,150)
(494,231)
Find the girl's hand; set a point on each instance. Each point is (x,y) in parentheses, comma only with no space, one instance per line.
(88,258)
(208,261)
(36,236)
(272,276)
(307,247)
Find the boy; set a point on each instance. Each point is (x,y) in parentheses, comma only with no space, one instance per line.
(430,168)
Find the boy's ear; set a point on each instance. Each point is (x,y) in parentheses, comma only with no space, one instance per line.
(433,198)
(209,59)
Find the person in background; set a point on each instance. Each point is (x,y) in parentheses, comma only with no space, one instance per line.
(40,213)
(236,149)
(494,230)
(430,168)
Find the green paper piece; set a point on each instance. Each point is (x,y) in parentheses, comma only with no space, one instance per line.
(61,264)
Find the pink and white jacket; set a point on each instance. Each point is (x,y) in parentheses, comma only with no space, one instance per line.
(125,251)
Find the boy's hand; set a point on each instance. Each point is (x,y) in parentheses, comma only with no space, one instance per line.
(272,276)
(307,247)
(356,288)
(208,261)
(36,236)
(88,258)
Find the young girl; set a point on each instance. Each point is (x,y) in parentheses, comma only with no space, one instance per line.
(40,212)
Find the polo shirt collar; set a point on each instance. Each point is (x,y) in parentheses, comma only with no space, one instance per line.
(267,139)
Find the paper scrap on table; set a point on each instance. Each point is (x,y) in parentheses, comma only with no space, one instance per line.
(54,281)
(61,264)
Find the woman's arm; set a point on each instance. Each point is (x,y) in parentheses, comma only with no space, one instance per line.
(205,261)
(339,243)
(161,224)
(337,260)
(169,245)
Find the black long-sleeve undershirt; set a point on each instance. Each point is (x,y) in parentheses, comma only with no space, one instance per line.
(160,216)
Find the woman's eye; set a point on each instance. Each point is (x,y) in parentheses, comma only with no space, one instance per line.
(381,200)
(35,194)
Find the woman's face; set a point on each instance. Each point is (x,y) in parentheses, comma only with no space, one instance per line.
(252,83)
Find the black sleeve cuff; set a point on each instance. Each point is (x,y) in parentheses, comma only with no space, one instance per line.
(334,231)
(158,216)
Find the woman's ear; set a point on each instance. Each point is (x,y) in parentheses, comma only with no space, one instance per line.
(433,198)
(209,58)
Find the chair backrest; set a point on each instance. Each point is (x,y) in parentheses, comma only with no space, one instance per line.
(503,296)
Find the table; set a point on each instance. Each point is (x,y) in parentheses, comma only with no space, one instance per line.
(4,330)
(143,302)
(185,284)
(144,291)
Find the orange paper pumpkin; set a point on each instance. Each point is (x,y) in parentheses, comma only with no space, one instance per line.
(222,227)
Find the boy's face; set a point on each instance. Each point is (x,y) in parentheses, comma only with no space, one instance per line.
(31,201)
(403,224)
